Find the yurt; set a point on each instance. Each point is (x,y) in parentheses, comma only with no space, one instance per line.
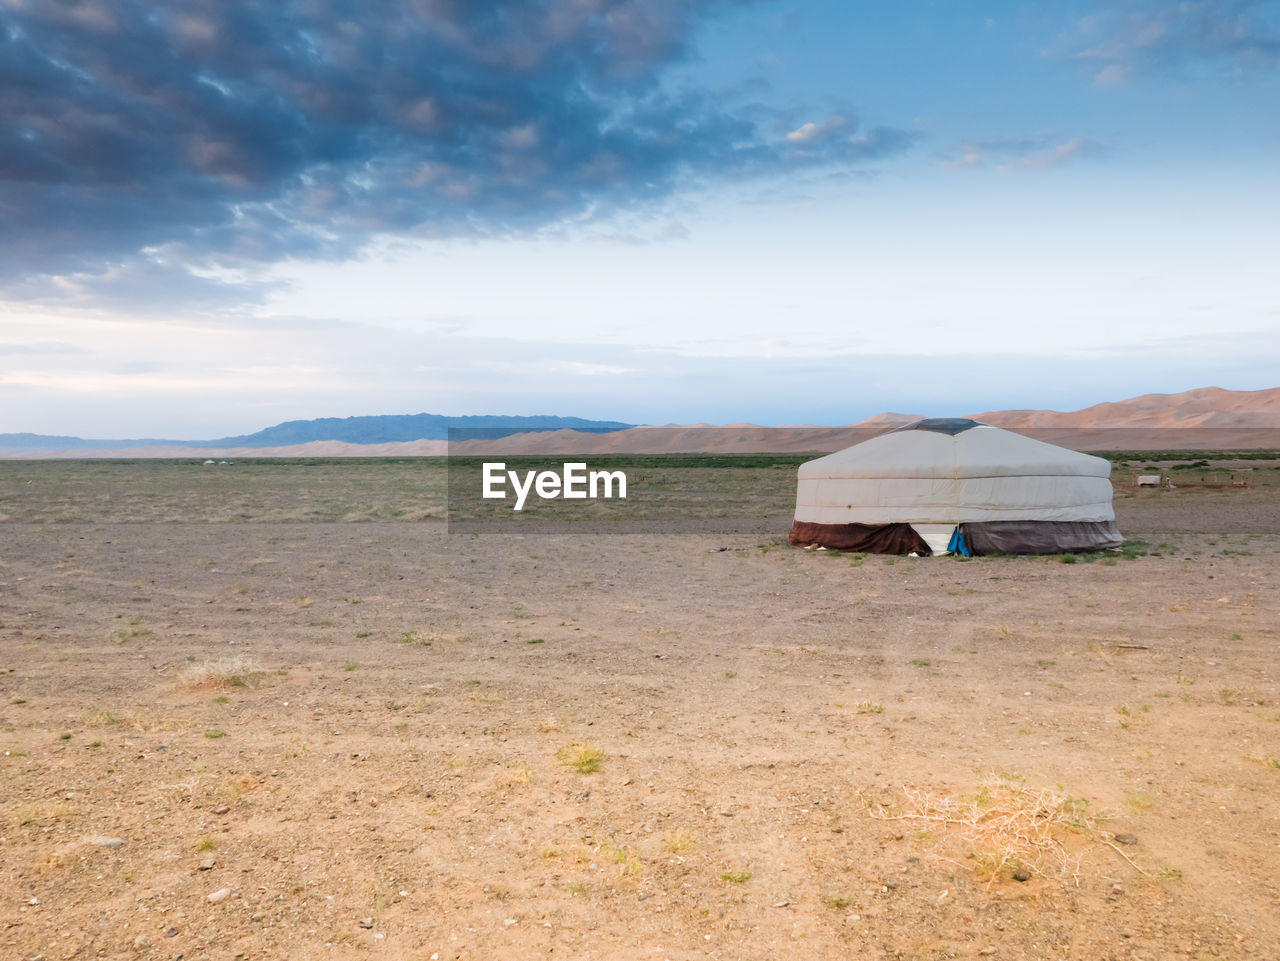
(952,484)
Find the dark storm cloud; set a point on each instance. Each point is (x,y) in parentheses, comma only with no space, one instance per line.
(246,131)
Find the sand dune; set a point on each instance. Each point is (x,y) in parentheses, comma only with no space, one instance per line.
(1205,419)
(781,440)
(1205,407)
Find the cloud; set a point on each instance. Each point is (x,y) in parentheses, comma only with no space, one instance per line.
(245,132)
(229,382)
(1135,37)
(583,369)
(1027,153)
(142,285)
(39,347)
(812,133)
(1057,155)
(627,235)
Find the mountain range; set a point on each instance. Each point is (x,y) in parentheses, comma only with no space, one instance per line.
(378,429)
(1206,418)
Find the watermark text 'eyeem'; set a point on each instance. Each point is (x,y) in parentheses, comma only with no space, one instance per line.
(572,482)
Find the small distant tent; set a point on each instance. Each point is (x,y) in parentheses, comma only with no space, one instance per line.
(952,484)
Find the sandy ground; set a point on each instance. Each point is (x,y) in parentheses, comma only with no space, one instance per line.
(359,739)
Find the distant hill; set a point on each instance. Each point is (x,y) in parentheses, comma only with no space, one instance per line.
(1209,418)
(34,442)
(393,428)
(1205,407)
(378,429)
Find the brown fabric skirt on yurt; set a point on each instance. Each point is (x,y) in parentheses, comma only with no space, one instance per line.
(863,538)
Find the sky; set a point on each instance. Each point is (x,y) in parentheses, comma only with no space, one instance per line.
(216,217)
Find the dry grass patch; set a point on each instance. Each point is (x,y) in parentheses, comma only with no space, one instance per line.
(43,812)
(509,777)
(1005,829)
(238,671)
(57,859)
(145,723)
(582,757)
(677,842)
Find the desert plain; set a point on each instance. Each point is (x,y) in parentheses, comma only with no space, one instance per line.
(277,710)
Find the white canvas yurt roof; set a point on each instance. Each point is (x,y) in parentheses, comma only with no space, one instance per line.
(937,474)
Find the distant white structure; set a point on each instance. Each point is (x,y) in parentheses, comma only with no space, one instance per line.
(952,484)
(208,463)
